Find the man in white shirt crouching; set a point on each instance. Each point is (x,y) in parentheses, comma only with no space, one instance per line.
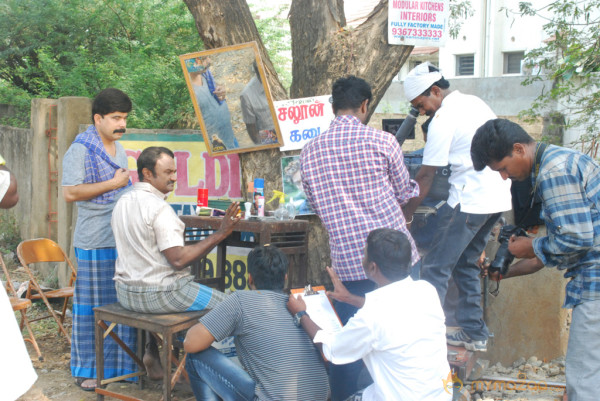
(398,331)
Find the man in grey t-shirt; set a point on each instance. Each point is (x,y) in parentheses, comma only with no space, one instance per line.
(95,175)
(279,359)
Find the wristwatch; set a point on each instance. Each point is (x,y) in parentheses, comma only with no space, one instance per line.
(298,316)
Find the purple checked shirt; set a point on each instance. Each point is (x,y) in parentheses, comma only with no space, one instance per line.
(355,179)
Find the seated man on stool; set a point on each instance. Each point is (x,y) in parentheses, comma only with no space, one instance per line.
(280,361)
(151,271)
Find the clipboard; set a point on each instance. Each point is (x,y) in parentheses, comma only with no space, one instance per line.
(319,307)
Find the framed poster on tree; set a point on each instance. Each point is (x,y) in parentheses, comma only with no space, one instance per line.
(231,99)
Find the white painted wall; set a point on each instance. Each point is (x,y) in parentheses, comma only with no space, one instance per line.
(488,34)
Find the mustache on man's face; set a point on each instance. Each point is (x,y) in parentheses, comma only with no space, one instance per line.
(119,131)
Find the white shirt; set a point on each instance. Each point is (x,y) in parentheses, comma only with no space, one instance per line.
(144,225)
(16,371)
(400,335)
(449,142)
(4,182)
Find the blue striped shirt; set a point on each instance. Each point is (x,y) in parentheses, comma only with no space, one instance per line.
(569,186)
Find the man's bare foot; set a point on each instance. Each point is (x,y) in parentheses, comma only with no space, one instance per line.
(152,363)
(564,397)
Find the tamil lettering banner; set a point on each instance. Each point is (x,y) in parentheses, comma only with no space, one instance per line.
(195,167)
(418,22)
(302,119)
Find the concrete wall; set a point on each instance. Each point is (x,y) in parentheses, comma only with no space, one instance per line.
(15,147)
(505,95)
(527,318)
(43,152)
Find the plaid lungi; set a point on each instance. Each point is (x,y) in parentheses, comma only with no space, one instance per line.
(181,296)
(95,287)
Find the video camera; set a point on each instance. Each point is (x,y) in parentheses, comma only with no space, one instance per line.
(504,258)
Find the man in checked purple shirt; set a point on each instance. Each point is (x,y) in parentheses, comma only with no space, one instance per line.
(356,181)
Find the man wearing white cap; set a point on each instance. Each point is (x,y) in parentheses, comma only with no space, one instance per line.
(475,202)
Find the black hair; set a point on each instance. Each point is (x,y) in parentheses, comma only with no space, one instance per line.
(148,159)
(349,93)
(109,101)
(425,125)
(442,83)
(390,250)
(494,141)
(268,266)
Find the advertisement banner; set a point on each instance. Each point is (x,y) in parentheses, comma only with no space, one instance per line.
(418,22)
(303,119)
(221,175)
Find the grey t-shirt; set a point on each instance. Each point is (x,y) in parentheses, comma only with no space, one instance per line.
(280,358)
(92,230)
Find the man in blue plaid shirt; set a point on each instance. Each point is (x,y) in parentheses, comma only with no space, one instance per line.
(568,184)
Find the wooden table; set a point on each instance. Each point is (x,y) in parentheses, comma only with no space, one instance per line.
(291,236)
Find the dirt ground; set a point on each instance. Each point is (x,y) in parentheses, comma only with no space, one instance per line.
(54,376)
(55,382)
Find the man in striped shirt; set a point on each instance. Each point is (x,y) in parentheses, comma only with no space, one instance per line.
(568,184)
(280,362)
(355,179)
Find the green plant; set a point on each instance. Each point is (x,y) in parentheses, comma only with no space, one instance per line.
(570,59)
(9,232)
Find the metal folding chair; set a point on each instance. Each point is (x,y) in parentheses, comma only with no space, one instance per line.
(46,250)
(21,305)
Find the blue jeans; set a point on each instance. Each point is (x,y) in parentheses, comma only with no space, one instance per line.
(214,377)
(456,248)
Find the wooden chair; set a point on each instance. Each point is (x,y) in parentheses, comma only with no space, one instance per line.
(46,250)
(21,305)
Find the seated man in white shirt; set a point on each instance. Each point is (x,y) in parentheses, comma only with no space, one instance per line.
(398,331)
(152,273)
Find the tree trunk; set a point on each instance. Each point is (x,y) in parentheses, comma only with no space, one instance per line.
(322,51)
(223,23)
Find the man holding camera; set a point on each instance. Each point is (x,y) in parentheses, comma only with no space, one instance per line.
(568,184)
(475,202)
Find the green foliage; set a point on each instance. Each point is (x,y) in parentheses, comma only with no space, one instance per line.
(55,48)
(9,232)
(460,11)
(571,59)
(274,30)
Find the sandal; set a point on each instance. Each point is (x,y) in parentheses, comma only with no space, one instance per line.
(80,380)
